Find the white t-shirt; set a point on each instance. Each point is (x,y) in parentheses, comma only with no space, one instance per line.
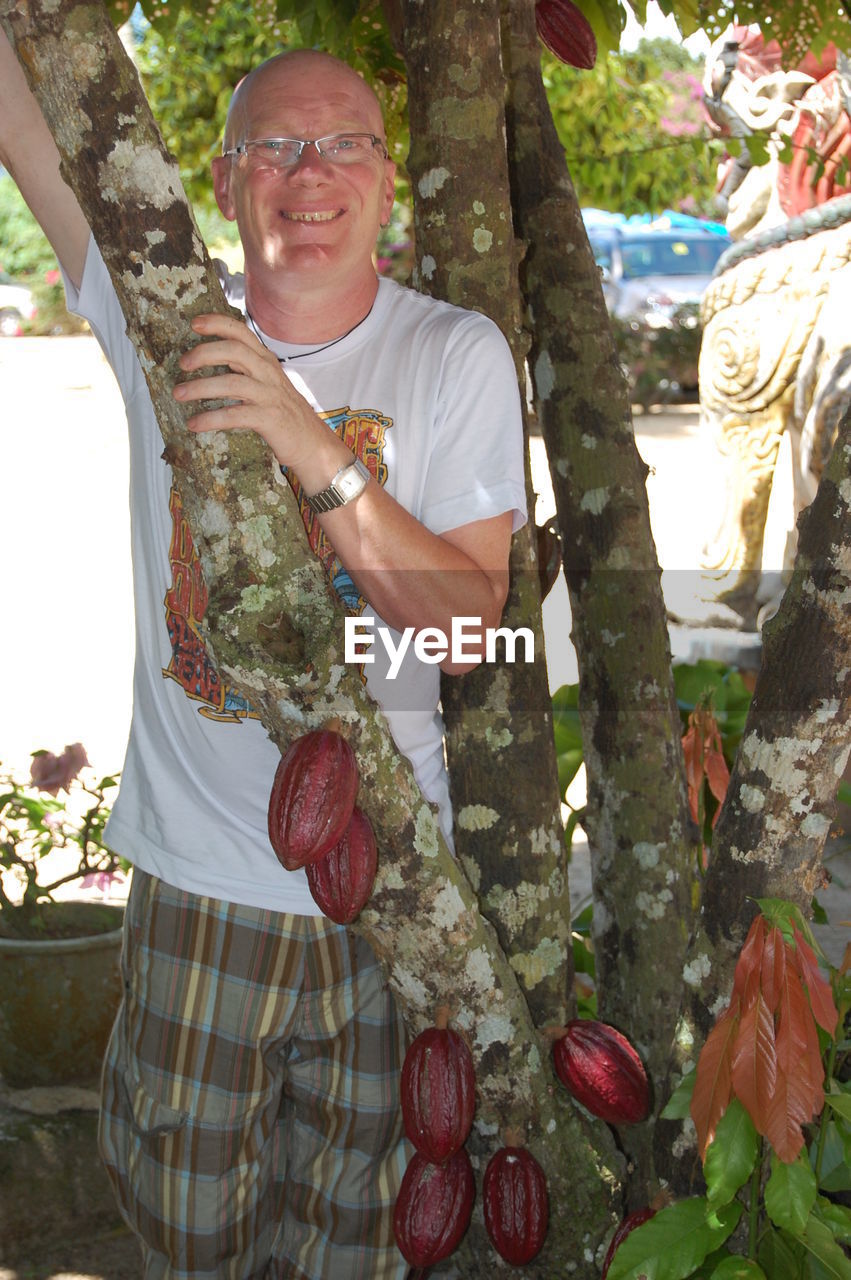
(427,395)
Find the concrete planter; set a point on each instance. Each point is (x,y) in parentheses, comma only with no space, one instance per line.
(58,1000)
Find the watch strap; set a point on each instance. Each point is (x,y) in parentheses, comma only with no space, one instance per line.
(335,495)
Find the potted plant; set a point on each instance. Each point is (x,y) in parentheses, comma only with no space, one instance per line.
(59,976)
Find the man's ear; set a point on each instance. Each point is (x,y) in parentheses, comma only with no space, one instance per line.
(389,191)
(222,170)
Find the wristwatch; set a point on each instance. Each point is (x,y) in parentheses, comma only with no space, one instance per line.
(346,485)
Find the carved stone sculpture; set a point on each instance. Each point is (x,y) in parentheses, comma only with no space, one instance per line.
(775,365)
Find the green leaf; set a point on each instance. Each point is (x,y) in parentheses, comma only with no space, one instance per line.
(671,1245)
(778,1257)
(839,1101)
(567,732)
(818,1240)
(835,1216)
(731,1155)
(738,1269)
(835,1160)
(785,914)
(757,147)
(790,1194)
(678,1105)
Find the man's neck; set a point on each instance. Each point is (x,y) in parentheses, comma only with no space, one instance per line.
(307,315)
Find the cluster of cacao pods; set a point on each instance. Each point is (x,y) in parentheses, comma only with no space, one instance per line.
(602,1070)
(438,1092)
(314,823)
(566,32)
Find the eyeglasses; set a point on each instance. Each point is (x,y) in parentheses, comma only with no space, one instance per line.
(338,148)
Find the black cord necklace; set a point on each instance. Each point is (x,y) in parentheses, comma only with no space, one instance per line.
(298,355)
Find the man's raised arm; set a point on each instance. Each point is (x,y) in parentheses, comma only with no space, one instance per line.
(29,153)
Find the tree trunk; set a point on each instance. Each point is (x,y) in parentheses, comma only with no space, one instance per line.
(510,839)
(643,850)
(770,834)
(275,628)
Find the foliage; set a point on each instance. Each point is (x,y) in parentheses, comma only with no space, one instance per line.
(659,360)
(758,1087)
(35,823)
(633,131)
(24,248)
(798,25)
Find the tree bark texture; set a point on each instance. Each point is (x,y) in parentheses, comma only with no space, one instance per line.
(770,834)
(642,845)
(509,837)
(274,627)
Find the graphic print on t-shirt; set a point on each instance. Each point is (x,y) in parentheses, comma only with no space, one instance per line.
(363,430)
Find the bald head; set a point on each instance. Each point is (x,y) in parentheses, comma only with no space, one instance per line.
(298,71)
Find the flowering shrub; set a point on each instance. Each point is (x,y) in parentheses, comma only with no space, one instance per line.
(34,822)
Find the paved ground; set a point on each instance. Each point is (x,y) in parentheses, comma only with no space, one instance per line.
(66,649)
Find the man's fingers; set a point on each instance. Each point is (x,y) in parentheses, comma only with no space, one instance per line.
(222,386)
(239,356)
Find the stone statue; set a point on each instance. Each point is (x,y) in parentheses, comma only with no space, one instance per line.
(775,365)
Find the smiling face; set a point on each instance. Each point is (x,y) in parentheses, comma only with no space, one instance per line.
(311,225)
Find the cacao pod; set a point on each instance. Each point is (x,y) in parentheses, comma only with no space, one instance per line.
(566,32)
(433,1208)
(602,1070)
(514,1194)
(342,879)
(312,798)
(438,1091)
(630,1222)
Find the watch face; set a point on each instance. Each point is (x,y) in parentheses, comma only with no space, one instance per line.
(350,483)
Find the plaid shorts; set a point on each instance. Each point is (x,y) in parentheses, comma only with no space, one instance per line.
(250,1121)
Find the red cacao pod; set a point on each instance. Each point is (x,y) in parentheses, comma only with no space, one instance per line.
(514,1194)
(433,1208)
(312,798)
(602,1070)
(342,879)
(630,1222)
(438,1091)
(566,32)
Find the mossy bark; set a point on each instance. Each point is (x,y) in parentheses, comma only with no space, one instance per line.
(642,846)
(509,833)
(771,831)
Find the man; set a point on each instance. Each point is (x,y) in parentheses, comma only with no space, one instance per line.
(250,1122)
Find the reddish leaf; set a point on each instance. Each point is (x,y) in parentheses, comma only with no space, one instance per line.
(749,963)
(754,1064)
(788,1109)
(713,1086)
(773,969)
(795,1024)
(692,750)
(821,996)
(717,773)
(704,760)
(798,1094)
